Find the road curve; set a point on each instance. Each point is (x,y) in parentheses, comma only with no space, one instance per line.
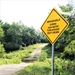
(12,68)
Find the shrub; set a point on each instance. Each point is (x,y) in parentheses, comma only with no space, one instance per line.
(11,46)
(43,56)
(69,51)
(16,60)
(10,61)
(17,56)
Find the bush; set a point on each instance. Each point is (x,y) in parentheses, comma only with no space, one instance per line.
(19,55)
(43,56)
(2,51)
(8,56)
(11,46)
(69,51)
(10,61)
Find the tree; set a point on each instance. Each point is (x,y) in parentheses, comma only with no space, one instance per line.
(1,32)
(69,33)
(18,35)
(14,33)
(43,38)
(5,27)
(67,8)
(29,35)
(25,36)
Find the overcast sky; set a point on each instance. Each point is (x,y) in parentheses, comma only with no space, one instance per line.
(30,12)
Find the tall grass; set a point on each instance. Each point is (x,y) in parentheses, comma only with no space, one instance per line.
(43,66)
(62,67)
(16,56)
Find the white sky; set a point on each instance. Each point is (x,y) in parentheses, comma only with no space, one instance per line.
(30,12)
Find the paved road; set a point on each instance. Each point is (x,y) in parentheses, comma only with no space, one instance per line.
(12,68)
(37,51)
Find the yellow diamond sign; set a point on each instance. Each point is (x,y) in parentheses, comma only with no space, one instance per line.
(54,26)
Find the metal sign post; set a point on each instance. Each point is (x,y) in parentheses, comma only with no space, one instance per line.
(52,59)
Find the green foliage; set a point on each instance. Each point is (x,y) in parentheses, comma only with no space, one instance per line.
(11,46)
(17,56)
(17,35)
(66,8)
(69,33)
(2,51)
(5,27)
(15,32)
(41,68)
(62,67)
(43,38)
(1,32)
(69,51)
(47,50)
(10,61)
(42,56)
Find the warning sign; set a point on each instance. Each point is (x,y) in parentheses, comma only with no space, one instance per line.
(54,26)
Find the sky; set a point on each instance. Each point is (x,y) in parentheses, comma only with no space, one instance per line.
(30,12)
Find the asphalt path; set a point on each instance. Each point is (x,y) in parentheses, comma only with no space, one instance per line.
(12,68)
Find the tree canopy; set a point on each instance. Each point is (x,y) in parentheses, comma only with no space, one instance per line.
(17,35)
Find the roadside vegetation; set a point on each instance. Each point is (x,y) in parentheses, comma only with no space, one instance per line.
(64,60)
(16,41)
(17,56)
(43,65)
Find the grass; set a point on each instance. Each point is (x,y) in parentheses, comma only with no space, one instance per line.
(44,68)
(16,56)
(61,66)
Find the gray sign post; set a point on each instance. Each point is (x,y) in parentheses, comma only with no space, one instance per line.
(52,59)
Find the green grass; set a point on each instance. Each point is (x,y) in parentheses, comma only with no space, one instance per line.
(16,56)
(61,66)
